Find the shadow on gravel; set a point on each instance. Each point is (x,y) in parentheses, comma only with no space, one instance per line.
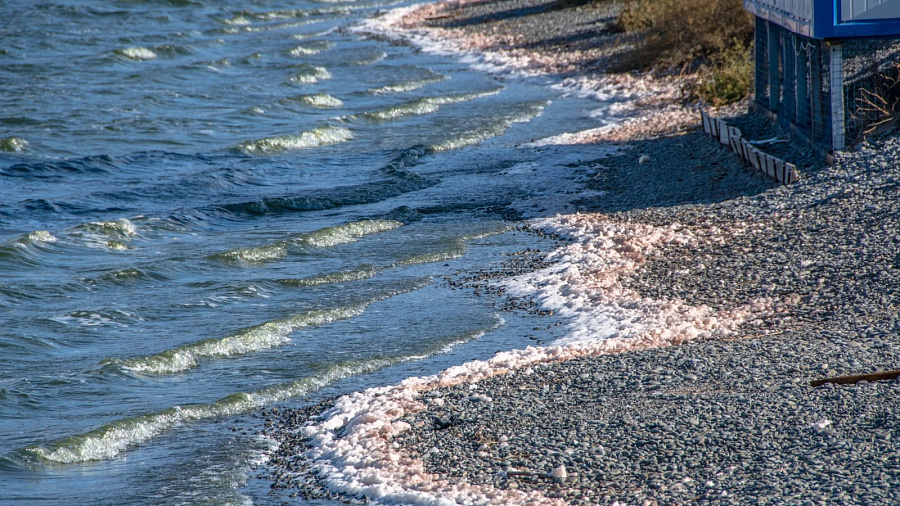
(494,12)
(688,168)
(554,26)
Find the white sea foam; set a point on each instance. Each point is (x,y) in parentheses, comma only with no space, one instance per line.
(319,100)
(261,337)
(352,448)
(348,232)
(13,144)
(495,127)
(310,48)
(455,250)
(406,86)
(311,74)
(40,236)
(364,272)
(120,228)
(322,136)
(422,106)
(388,25)
(115,437)
(323,238)
(112,235)
(238,21)
(138,53)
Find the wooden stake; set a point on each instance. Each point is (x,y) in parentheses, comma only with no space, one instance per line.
(843,380)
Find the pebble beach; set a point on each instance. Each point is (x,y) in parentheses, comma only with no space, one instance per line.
(700,299)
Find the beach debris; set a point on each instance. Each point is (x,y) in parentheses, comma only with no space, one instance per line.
(558,473)
(771,140)
(445,423)
(843,380)
(479,398)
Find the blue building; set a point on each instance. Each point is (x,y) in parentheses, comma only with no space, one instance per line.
(828,69)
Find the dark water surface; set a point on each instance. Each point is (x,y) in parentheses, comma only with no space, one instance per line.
(211,207)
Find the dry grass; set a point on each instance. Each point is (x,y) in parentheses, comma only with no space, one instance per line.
(879,107)
(681,34)
(711,38)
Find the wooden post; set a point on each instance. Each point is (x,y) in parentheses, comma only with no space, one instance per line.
(773,44)
(818,125)
(763,68)
(789,101)
(801,60)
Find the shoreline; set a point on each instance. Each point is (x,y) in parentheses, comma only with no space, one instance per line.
(699,316)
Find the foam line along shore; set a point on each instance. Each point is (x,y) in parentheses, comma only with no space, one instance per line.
(211,208)
(696,315)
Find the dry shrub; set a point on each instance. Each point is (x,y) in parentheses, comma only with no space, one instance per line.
(682,34)
(709,38)
(879,108)
(730,77)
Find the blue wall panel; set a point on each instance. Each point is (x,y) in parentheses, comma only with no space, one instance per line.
(827,19)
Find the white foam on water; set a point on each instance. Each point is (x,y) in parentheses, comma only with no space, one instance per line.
(392,25)
(258,254)
(121,228)
(426,105)
(138,53)
(98,318)
(352,448)
(261,337)
(372,59)
(319,100)
(13,144)
(495,127)
(310,49)
(322,136)
(348,232)
(112,235)
(280,26)
(39,236)
(312,74)
(407,86)
(457,250)
(364,272)
(112,439)
(323,238)
(238,21)
(303,13)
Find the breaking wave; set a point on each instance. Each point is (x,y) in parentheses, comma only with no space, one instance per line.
(493,127)
(322,238)
(321,101)
(110,440)
(422,106)
(322,136)
(261,337)
(364,272)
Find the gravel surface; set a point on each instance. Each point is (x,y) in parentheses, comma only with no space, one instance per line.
(730,422)
(577,36)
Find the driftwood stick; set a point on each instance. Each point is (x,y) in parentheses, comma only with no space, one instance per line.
(842,380)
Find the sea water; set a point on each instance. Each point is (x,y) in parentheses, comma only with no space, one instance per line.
(208,208)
